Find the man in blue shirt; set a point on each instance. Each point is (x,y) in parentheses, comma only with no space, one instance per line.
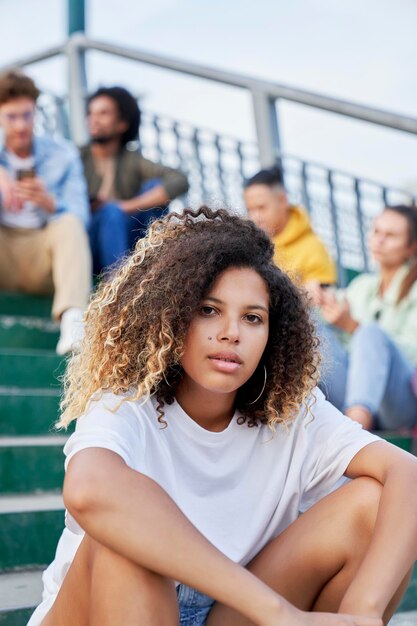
(43,212)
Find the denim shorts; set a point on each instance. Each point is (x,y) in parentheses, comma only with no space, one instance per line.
(194,606)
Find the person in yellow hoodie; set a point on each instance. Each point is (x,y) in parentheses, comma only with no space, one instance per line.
(298,250)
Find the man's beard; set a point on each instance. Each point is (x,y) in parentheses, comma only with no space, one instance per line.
(103,139)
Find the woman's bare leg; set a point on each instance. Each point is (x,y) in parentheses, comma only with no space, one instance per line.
(314,560)
(102,588)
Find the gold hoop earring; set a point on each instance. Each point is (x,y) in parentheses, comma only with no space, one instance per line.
(263,387)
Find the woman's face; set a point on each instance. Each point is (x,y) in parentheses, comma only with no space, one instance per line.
(228,334)
(389,240)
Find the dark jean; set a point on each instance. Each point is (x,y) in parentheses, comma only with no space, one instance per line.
(194,606)
(113,233)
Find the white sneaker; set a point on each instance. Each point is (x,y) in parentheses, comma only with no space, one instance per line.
(72,331)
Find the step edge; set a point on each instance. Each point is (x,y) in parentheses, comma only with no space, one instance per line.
(20,589)
(29,322)
(38,441)
(32,502)
(20,607)
(6,391)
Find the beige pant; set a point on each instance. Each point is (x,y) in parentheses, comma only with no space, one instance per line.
(55,259)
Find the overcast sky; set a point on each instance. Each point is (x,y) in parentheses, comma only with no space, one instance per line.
(360,50)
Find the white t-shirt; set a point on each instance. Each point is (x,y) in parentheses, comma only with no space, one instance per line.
(240,487)
(30,216)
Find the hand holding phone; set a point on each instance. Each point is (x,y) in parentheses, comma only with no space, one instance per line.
(25,173)
(31,188)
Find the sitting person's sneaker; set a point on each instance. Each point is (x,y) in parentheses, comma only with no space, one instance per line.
(72,331)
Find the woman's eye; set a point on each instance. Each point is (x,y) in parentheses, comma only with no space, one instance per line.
(207,310)
(253,319)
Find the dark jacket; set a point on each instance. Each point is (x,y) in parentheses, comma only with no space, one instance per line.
(132,171)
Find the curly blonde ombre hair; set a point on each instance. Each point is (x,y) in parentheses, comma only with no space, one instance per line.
(137,321)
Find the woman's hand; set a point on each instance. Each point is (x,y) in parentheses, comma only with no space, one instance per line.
(337,313)
(290,616)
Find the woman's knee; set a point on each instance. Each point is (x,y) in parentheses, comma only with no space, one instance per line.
(99,580)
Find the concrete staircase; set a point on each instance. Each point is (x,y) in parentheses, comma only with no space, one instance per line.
(31,459)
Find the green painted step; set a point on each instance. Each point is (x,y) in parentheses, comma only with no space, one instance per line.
(15,617)
(28,332)
(28,411)
(30,527)
(22,304)
(402,440)
(29,464)
(30,368)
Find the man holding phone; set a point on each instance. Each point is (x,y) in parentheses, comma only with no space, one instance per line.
(43,212)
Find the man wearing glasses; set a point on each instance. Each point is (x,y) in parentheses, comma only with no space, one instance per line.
(43,212)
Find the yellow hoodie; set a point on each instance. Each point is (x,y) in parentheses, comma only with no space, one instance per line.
(300,252)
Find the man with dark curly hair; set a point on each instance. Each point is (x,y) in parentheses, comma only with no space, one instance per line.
(43,211)
(126,190)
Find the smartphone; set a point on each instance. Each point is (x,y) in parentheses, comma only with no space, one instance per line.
(28,173)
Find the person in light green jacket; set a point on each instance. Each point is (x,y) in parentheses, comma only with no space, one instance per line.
(370,339)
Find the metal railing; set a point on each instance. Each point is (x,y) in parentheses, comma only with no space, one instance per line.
(341,206)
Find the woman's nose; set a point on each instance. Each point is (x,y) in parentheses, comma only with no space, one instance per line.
(229,333)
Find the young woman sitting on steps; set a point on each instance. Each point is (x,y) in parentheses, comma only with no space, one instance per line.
(201,437)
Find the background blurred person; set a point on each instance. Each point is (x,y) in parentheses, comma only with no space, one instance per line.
(43,209)
(371,336)
(298,250)
(126,190)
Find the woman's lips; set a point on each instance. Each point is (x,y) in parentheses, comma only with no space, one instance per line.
(221,364)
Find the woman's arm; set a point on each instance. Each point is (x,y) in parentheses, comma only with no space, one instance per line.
(132,515)
(393,548)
